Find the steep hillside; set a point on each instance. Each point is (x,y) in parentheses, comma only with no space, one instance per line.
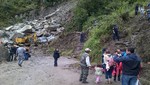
(14,11)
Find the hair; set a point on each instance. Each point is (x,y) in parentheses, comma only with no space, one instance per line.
(107,51)
(131,50)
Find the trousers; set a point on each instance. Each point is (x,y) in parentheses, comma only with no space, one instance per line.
(84,73)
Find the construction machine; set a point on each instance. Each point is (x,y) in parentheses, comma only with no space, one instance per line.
(27,39)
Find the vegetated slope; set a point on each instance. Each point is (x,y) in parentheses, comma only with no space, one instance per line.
(134,30)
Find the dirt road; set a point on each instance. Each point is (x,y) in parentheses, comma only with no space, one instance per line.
(40,71)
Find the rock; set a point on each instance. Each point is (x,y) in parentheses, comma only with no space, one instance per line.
(52,14)
(8,28)
(60,29)
(26,27)
(55,26)
(46,26)
(17,26)
(6,40)
(38,26)
(50,38)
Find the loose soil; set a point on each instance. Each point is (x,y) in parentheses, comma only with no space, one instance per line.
(40,71)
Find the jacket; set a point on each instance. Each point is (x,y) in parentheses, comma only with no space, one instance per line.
(56,54)
(130,64)
(98,71)
(85,61)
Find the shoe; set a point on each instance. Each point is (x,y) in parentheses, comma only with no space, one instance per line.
(85,82)
(20,65)
(80,79)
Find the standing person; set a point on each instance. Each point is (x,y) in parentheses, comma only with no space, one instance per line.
(108,66)
(85,65)
(10,51)
(115,33)
(98,73)
(148,12)
(82,37)
(130,67)
(14,49)
(141,10)
(56,55)
(136,9)
(20,53)
(117,70)
(103,64)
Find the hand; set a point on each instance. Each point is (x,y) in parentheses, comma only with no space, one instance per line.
(90,67)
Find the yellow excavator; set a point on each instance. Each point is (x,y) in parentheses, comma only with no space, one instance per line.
(28,38)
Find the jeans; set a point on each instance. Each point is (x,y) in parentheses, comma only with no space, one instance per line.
(108,74)
(55,61)
(20,59)
(129,80)
(115,36)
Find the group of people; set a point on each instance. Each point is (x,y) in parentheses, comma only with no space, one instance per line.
(143,10)
(123,66)
(21,51)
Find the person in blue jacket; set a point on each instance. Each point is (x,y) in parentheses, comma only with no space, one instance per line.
(56,55)
(131,67)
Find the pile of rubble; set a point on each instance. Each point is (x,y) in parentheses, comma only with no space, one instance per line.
(50,25)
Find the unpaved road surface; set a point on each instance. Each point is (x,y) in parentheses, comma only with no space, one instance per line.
(40,71)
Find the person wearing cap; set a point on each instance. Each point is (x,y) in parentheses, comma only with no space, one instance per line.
(20,53)
(85,65)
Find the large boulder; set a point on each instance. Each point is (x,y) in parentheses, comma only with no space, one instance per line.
(8,28)
(17,26)
(26,27)
(3,53)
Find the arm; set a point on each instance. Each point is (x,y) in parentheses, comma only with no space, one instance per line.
(88,61)
(119,59)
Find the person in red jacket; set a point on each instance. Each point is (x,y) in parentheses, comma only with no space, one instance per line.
(117,69)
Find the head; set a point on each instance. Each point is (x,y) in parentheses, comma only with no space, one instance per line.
(130,50)
(119,50)
(56,49)
(107,52)
(87,50)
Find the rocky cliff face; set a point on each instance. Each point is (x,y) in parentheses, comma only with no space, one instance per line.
(51,22)
(140,37)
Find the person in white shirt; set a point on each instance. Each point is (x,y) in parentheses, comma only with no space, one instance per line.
(85,65)
(142,10)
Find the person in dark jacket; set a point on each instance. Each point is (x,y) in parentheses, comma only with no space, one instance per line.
(14,49)
(131,67)
(10,50)
(136,9)
(115,33)
(56,55)
(82,37)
